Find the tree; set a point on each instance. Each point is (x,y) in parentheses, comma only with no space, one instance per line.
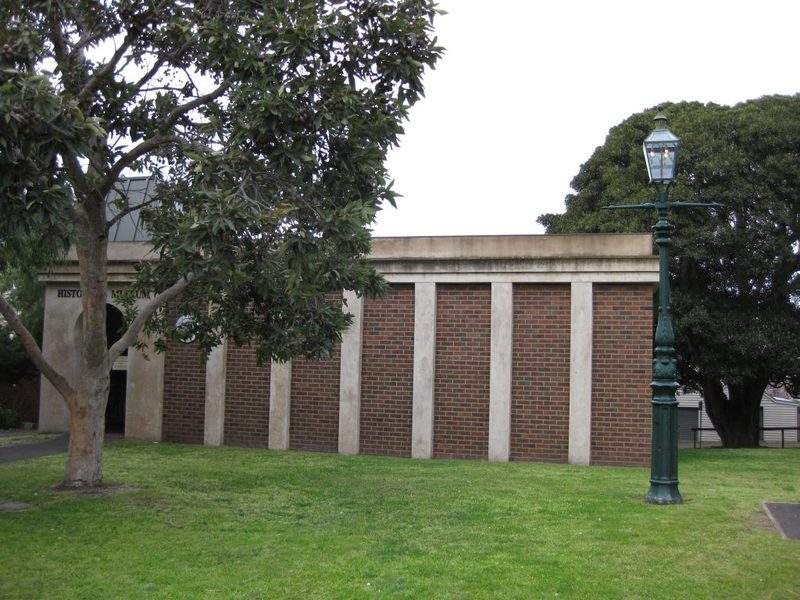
(266,125)
(736,275)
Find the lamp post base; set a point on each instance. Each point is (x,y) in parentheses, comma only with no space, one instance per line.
(663,492)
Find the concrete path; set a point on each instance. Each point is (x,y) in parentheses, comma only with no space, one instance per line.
(34,449)
(786,518)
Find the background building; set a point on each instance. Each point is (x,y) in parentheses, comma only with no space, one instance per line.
(500,348)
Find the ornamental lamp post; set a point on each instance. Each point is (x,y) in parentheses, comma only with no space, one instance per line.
(661,155)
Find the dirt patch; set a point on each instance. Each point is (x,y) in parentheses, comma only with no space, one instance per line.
(759,523)
(13,506)
(149,502)
(100,490)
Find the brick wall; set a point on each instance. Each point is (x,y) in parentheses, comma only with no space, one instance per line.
(622,369)
(314,418)
(461,384)
(184,393)
(387,373)
(246,398)
(540,373)
(622,354)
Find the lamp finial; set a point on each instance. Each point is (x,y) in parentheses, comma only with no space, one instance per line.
(660,119)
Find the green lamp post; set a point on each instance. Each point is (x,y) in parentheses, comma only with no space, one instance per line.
(661,155)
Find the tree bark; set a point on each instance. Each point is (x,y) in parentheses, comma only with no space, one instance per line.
(736,415)
(86,435)
(87,418)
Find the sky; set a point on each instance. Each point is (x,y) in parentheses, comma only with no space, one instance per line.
(528,89)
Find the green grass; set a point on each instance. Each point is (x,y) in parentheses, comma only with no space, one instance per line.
(243,523)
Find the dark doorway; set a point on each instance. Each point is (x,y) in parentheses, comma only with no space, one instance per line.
(115,410)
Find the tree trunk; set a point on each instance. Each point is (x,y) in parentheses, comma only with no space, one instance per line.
(86,433)
(736,415)
(87,418)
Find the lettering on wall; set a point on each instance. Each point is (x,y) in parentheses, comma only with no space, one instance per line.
(67,293)
(76,293)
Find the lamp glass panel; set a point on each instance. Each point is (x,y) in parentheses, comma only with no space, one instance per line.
(661,162)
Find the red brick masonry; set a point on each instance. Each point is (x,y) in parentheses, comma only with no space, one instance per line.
(540,373)
(184,393)
(387,373)
(540,388)
(622,366)
(461,384)
(314,420)
(246,399)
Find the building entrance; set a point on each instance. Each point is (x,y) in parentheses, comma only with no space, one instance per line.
(115,410)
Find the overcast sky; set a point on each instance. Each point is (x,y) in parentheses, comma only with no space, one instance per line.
(527,90)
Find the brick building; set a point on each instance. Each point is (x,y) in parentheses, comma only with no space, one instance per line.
(500,348)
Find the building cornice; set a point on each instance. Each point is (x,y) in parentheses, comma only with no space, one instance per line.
(625,258)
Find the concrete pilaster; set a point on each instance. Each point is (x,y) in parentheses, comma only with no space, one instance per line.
(62,343)
(424,369)
(350,378)
(280,393)
(144,394)
(500,372)
(214,428)
(580,367)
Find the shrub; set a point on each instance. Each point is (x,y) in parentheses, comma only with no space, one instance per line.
(9,419)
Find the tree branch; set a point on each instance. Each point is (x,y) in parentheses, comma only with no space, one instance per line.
(176,114)
(106,70)
(138,323)
(73,166)
(127,210)
(134,154)
(32,348)
(151,73)
(86,40)
(164,137)
(59,43)
(140,150)
(172,56)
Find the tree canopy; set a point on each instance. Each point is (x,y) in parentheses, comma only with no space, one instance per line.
(266,126)
(736,271)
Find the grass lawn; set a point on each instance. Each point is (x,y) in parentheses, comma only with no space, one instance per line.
(226,522)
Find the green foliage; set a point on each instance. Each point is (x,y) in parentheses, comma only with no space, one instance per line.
(15,364)
(266,124)
(736,278)
(201,522)
(34,199)
(9,419)
(24,291)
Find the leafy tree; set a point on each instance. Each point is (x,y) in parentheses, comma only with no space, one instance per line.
(736,275)
(266,125)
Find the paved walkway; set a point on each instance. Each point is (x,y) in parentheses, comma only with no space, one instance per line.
(34,449)
(786,518)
